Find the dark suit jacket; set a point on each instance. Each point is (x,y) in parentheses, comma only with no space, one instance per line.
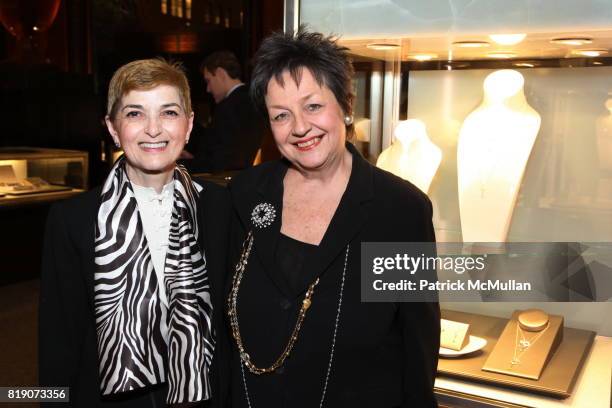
(67,337)
(386,353)
(232,140)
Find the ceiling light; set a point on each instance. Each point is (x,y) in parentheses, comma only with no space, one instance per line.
(382,46)
(507,39)
(597,63)
(524,64)
(591,52)
(471,44)
(501,54)
(422,57)
(572,40)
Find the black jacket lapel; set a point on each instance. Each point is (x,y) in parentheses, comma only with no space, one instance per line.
(268,189)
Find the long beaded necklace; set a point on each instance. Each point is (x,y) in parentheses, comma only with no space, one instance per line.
(245,359)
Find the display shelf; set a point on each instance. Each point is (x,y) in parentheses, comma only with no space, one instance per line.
(37,198)
(591,388)
(34,175)
(558,377)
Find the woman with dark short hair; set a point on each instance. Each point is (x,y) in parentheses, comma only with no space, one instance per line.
(301,335)
(132,270)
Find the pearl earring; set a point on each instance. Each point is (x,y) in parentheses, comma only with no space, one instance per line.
(348,120)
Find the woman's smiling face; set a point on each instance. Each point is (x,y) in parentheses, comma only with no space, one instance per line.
(152,127)
(306,120)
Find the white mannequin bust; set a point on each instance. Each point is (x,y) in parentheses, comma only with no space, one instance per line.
(411,156)
(494,146)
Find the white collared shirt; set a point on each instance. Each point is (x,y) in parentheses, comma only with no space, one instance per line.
(156,214)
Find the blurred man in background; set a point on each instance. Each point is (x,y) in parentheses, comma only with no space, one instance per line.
(235,134)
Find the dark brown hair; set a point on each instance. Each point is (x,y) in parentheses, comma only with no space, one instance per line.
(222,59)
(328,62)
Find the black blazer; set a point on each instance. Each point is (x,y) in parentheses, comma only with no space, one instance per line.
(232,140)
(67,338)
(386,354)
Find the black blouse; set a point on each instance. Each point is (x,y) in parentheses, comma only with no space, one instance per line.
(290,258)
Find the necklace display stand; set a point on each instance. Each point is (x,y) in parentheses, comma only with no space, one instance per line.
(527,343)
(494,146)
(577,367)
(412,155)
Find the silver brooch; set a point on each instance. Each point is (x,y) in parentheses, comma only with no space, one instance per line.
(263,215)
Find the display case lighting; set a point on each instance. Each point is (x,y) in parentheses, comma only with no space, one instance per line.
(422,57)
(595,52)
(572,41)
(471,44)
(524,64)
(507,39)
(455,65)
(382,46)
(501,54)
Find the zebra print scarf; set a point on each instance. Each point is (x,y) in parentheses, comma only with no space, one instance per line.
(141,342)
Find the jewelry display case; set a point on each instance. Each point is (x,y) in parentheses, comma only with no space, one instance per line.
(557,380)
(31,175)
(502,113)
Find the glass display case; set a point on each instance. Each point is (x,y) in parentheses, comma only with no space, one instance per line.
(502,113)
(34,175)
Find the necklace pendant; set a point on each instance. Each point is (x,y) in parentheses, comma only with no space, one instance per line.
(524,344)
(306,304)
